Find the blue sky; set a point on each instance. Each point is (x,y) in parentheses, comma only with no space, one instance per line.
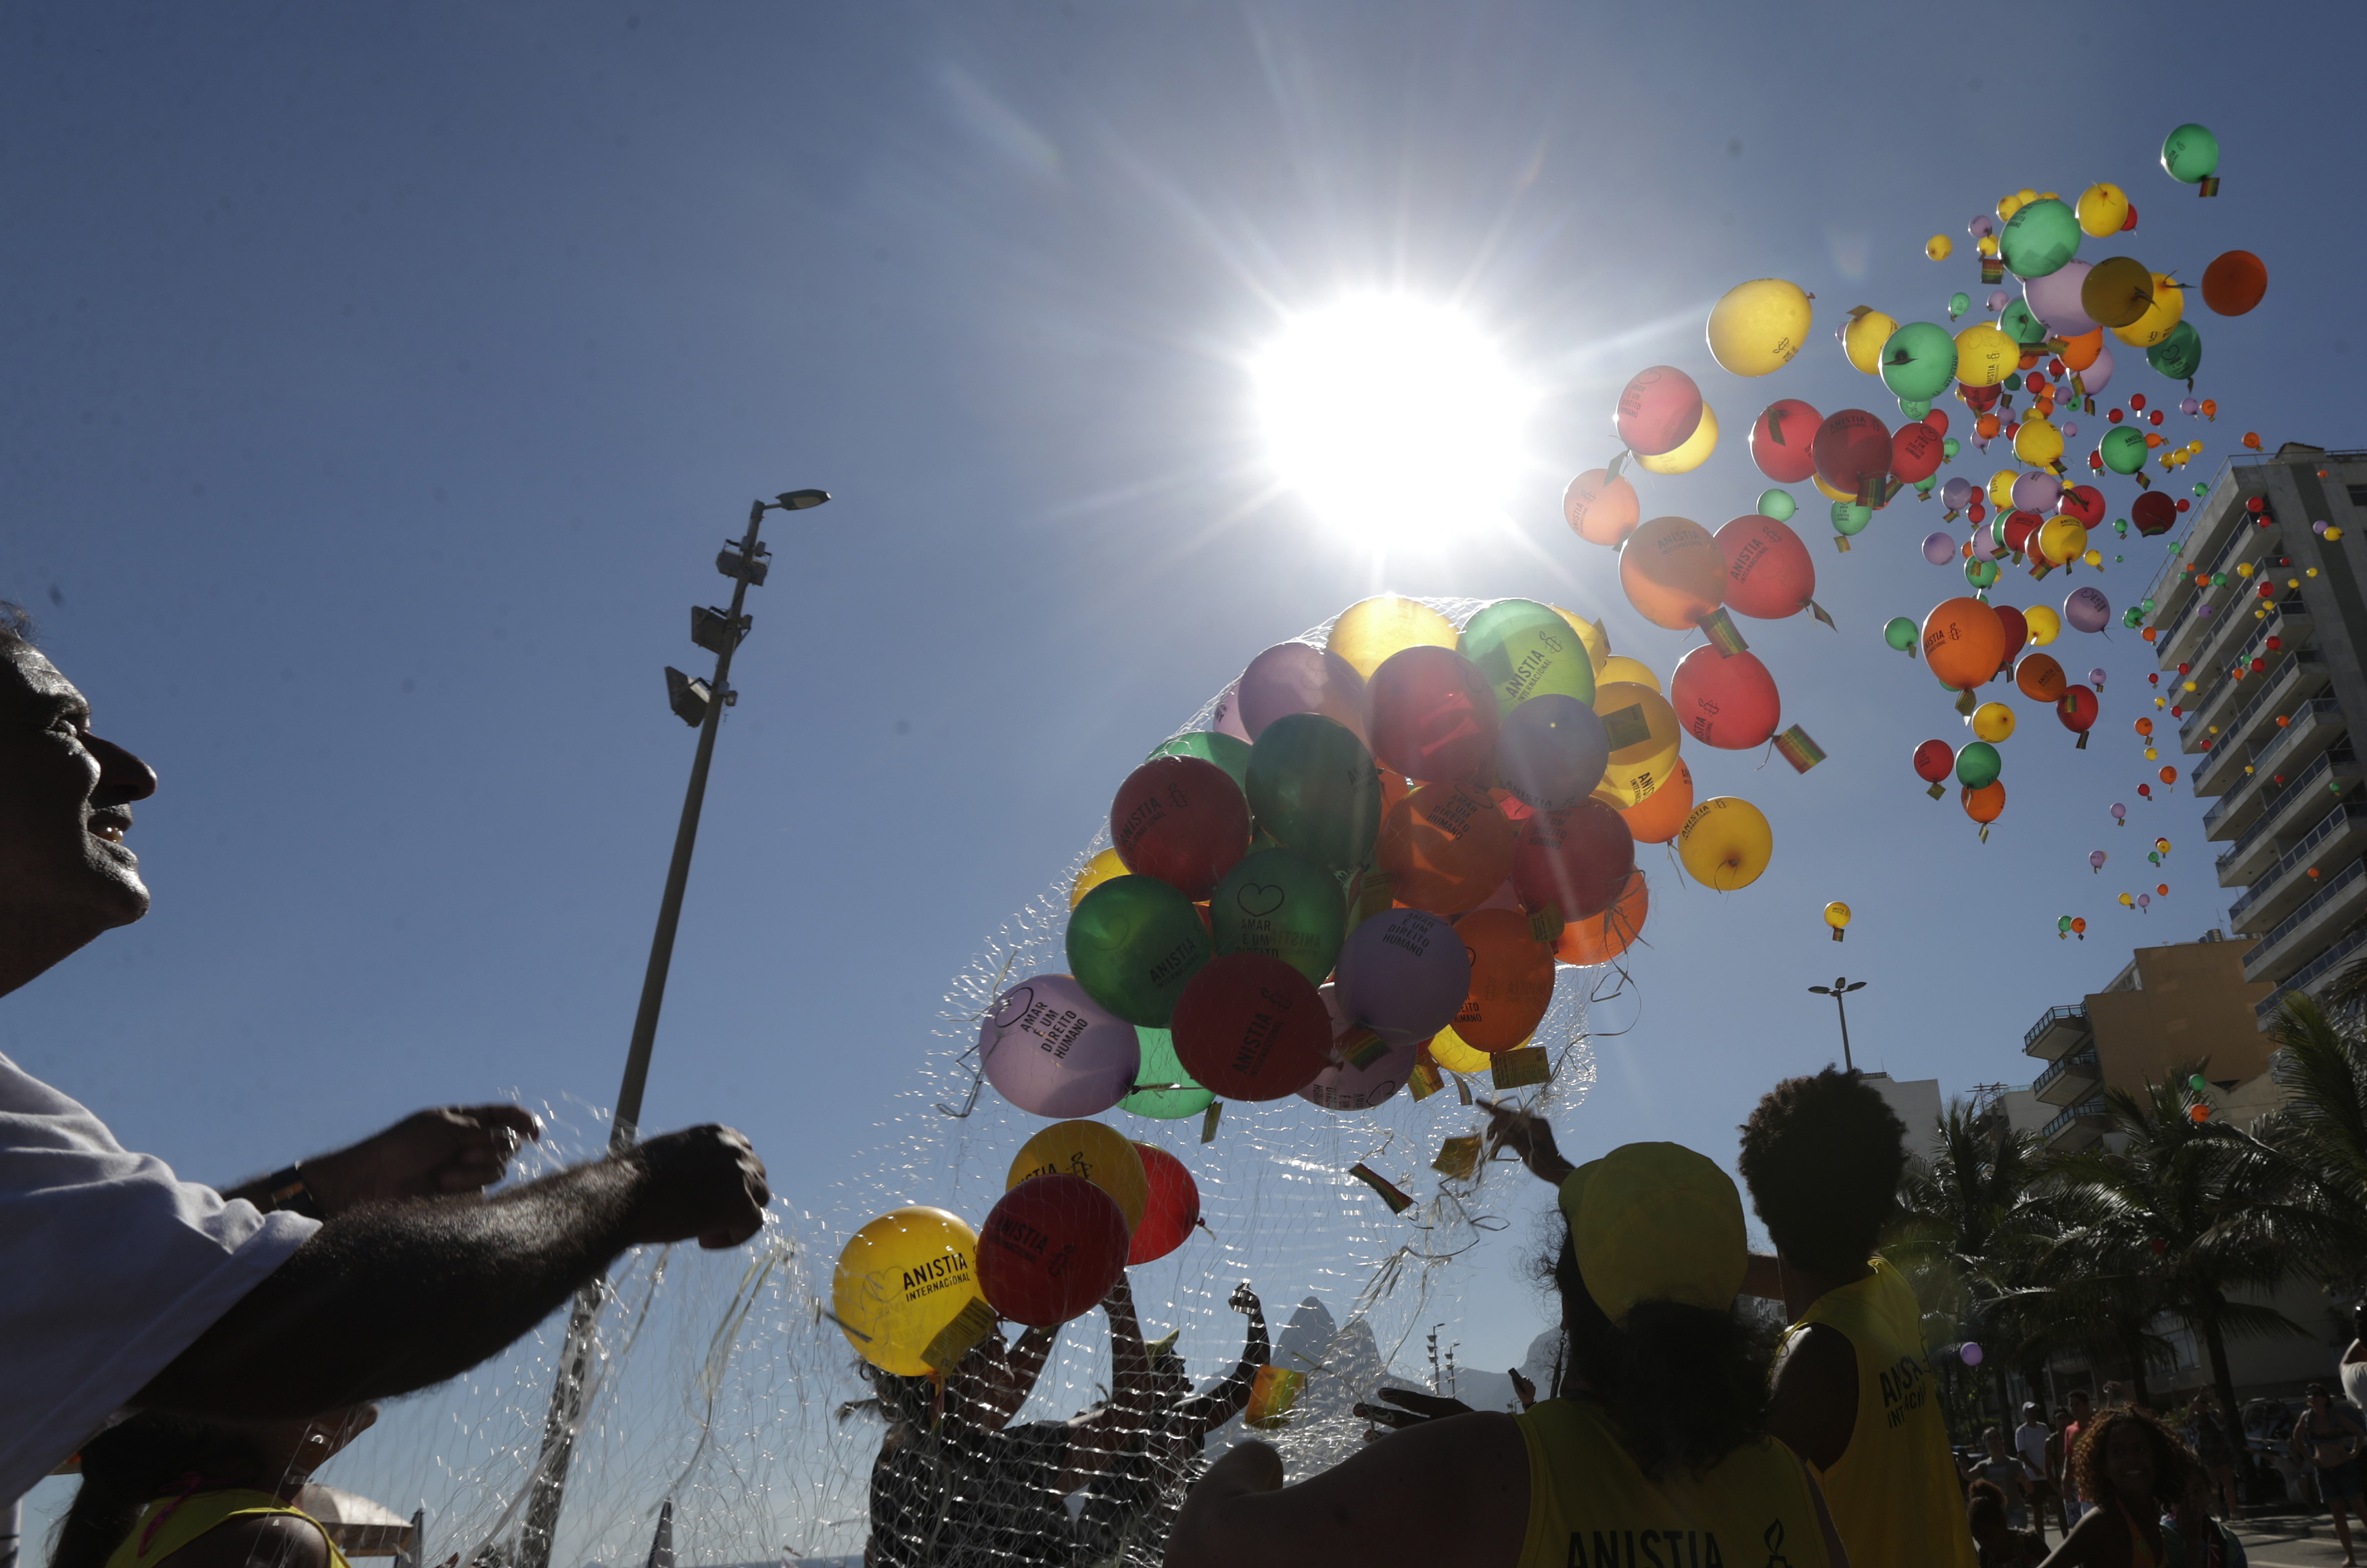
(381,380)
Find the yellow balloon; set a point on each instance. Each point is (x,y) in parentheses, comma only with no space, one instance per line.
(1101,1155)
(2094,558)
(2045,625)
(2062,539)
(1985,354)
(2038,443)
(1098,870)
(1939,247)
(906,1291)
(1758,326)
(1992,721)
(2168,308)
(1619,667)
(2101,210)
(1725,844)
(1371,630)
(1591,634)
(1643,731)
(1691,455)
(1986,246)
(2001,488)
(1837,914)
(1868,330)
(1448,1050)
(1828,491)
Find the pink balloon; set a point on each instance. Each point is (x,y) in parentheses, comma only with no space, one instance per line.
(2087,609)
(2099,374)
(1345,1086)
(1940,548)
(1053,1050)
(2054,299)
(1297,677)
(1406,972)
(1658,411)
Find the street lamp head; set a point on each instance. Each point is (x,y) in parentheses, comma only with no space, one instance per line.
(1854,985)
(1821,990)
(800,499)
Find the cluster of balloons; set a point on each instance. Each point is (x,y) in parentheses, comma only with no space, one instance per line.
(2070,926)
(1968,643)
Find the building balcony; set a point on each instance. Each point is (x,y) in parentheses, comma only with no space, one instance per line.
(2303,934)
(2251,733)
(2077,1127)
(2057,1030)
(2312,731)
(2313,976)
(2283,808)
(2072,1077)
(2233,626)
(2193,634)
(2208,527)
(2218,706)
(2337,836)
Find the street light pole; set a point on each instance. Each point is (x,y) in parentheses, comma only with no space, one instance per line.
(1839,989)
(699,703)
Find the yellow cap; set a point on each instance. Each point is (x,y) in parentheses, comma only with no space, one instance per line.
(1656,1222)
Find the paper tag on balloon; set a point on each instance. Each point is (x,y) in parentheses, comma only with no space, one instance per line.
(1546,924)
(955,1340)
(1360,1047)
(1937,792)
(1818,611)
(1610,469)
(1458,1158)
(1723,634)
(1992,269)
(1840,541)
(1273,1395)
(1424,1079)
(1799,749)
(1519,1068)
(2207,186)
(1964,704)
(1397,1202)
(1375,894)
(1209,1122)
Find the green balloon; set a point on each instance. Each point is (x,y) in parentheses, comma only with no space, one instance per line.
(1313,786)
(1282,904)
(2131,617)
(2190,154)
(2196,1083)
(1227,752)
(1977,764)
(2199,490)
(1950,447)
(1919,360)
(2012,381)
(1980,573)
(1133,942)
(2121,526)
(1778,504)
(1924,486)
(2039,238)
(1958,304)
(2146,606)
(1161,1066)
(2021,326)
(1915,408)
(2122,449)
(1849,517)
(2180,354)
(1526,650)
(1900,633)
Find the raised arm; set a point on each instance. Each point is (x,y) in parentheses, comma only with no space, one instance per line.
(388,1298)
(1211,1410)
(452,1150)
(1095,1442)
(992,1384)
(1528,1135)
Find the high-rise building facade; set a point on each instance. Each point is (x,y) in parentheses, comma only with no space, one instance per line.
(2261,611)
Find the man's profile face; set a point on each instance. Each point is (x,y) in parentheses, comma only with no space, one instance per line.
(66,806)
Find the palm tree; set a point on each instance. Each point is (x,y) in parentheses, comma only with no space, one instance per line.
(2319,1138)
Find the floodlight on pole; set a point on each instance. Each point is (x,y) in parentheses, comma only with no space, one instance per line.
(1839,989)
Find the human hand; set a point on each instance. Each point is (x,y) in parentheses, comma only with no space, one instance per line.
(1527,1135)
(1245,1300)
(702,1181)
(1522,1386)
(431,1154)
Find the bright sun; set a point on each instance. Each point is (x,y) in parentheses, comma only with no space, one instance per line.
(1393,416)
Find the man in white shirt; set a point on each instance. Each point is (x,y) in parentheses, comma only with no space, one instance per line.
(368,1272)
(2029,1442)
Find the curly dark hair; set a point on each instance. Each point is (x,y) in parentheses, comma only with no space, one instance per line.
(1822,1157)
(16,627)
(1984,1506)
(128,1466)
(1687,1386)
(2172,1460)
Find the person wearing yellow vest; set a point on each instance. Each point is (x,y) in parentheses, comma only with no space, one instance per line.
(1853,1391)
(1651,1455)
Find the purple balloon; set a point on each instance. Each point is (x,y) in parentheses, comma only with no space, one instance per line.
(2087,609)
(2119,811)
(1981,228)
(1971,1353)
(2188,405)
(2069,430)
(2096,859)
(1999,300)
(2054,299)
(1343,1086)
(1227,719)
(2099,375)
(1053,1050)
(2096,678)
(2036,492)
(1985,543)
(1405,973)
(1297,677)
(1940,548)
(1551,751)
(1956,492)
(2144,900)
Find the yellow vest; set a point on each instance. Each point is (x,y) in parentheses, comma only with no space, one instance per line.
(1590,1506)
(1893,1496)
(169,1524)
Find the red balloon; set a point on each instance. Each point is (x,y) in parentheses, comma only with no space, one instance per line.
(1938,420)
(2019,526)
(2017,631)
(2077,709)
(1725,700)
(1050,1250)
(1934,761)
(1673,572)
(2084,505)
(1250,1026)
(1658,411)
(1432,715)
(1783,441)
(1915,452)
(1173,1209)
(1769,572)
(2153,512)
(1852,449)
(1579,859)
(1979,399)
(1182,820)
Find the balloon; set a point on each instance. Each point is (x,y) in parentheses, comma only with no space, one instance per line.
(2119,814)
(1050,1050)
(2039,238)
(1673,572)
(1957,492)
(1344,1086)
(2102,209)
(1295,677)
(1659,815)
(1432,715)
(1180,821)
(1862,334)
(1601,938)
(2180,354)
(1173,1209)
(1599,509)
(1728,701)
(1098,870)
(2190,154)
(1981,573)
(1985,354)
(2017,322)
(1552,751)
(1251,1027)
(2153,512)
(2036,492)
(2063,539)
(2045,625)
(1404,973)
(1978,763)
(2077,708)
(1919,360)
(1591,634)
(1939,247)
(1169,1092)
(1938,549)
(2117,291)
(1132,944)
(1446,1049)
(1446,847)
(1849,517)
(1971,1354)
(1984,805)
(2039,677)
(1576,860)
(1658,411)
(1993,721)
(2017,632)
(1285,905)
(1371,630)
(2087,609)
(2017,527)
(2083,504)
(1900,633)
(1934,762)
(1528,649)
(1769,573)
(1781,439)
(2056,299)
(2168,308)
(2234,282)
(1837,914)
(2038,443)
(1757,327)
(1050,1250)
(1229,752)
(1777,505)
(2000,487)
(1964,642)
(902,1280)
(1915,452)
(1644,734)
(1511,979)
(1619,667)
(2122,449)
(1725,844)
(2078,353)
(1313,787)
(1691,454)
(1852,450)
(1227,717)
(1958,303)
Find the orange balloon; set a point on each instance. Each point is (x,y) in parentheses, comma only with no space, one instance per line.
(1987,426)
(1964,642)
(1599,939)
(1656,817)
(1394,788)
(2039,677)
(2080,352)
(2234,283)
(1512,980)
(1446,847)
(1672,571)
(2169,775)
(2144,726)
(1986,803)
(1599,509)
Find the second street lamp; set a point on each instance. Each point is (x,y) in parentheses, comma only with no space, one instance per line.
(1839,989)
